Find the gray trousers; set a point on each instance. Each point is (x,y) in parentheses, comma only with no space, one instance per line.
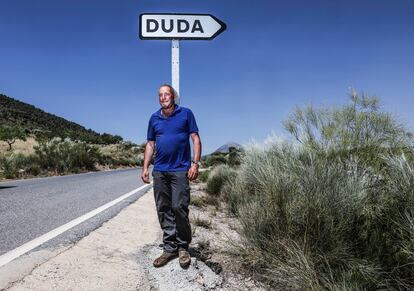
(172,198)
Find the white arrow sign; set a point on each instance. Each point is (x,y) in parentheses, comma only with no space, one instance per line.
(179,26)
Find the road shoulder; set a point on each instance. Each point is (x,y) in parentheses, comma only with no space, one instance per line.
(119,254)
(103,260)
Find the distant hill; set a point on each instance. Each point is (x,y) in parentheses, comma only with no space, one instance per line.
(39,122)
(225,148)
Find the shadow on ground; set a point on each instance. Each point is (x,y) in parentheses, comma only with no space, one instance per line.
(6,187)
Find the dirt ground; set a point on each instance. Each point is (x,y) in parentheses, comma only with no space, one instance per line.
(215,236)
(103,260)
(119,255)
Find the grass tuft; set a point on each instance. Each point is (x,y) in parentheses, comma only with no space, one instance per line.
(197,221)
(197,201)
(203,175)
(218,177)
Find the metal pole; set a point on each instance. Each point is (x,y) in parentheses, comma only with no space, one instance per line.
(175,67)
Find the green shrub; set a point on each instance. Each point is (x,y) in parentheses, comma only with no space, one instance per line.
(358,130)
(218,177)
(125,155)
(62,156)
(16,165)
(234,157)
(335,211)
(203,175)
(215,160)
(7,167)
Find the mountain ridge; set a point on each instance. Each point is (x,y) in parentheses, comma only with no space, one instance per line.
(226,147)
(35,120)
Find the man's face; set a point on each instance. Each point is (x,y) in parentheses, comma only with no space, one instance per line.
(166,97)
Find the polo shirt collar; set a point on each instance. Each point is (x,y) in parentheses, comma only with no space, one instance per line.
(177,108)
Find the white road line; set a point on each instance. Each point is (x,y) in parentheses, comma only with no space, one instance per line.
(17,252)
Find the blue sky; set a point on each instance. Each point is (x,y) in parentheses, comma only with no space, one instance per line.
(83,60)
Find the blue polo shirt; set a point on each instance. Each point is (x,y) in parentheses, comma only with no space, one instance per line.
(171,135)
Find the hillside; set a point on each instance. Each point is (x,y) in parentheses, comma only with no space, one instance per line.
(39,122)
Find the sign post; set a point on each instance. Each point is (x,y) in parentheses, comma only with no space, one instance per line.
(175,67)
(176,27)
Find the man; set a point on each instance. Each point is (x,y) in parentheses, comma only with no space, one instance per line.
(168,135)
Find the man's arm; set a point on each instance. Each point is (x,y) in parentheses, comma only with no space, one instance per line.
(197,146)
(193,172)
(149,151)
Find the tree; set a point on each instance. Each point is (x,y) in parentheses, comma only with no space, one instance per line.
(107,138)
(10,134)
(42,135)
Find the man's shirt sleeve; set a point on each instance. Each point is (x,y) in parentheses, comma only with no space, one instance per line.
(192,124)
(150,131)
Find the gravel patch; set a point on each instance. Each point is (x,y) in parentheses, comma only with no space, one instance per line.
(197,277)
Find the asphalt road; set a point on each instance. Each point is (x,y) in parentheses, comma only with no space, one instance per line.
(33,207)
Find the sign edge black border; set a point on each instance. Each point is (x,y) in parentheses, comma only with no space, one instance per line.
(223,27)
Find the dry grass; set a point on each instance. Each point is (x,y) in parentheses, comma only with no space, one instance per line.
(27,147)
(197,221)
(212,200)
(197,201)
(203,201)
(24,147)
(109,150)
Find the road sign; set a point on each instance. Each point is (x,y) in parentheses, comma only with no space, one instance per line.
(179,26)
(176,27)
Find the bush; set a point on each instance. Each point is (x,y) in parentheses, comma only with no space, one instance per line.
(234,157)
(203,175)
(63,156)
(7,168)
(215,159)
(17,165)
(359,130)
(335,211)
(122,154)
(218,177)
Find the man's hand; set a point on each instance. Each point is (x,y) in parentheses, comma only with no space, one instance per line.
(145,176)
(193,172)
(149,150)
